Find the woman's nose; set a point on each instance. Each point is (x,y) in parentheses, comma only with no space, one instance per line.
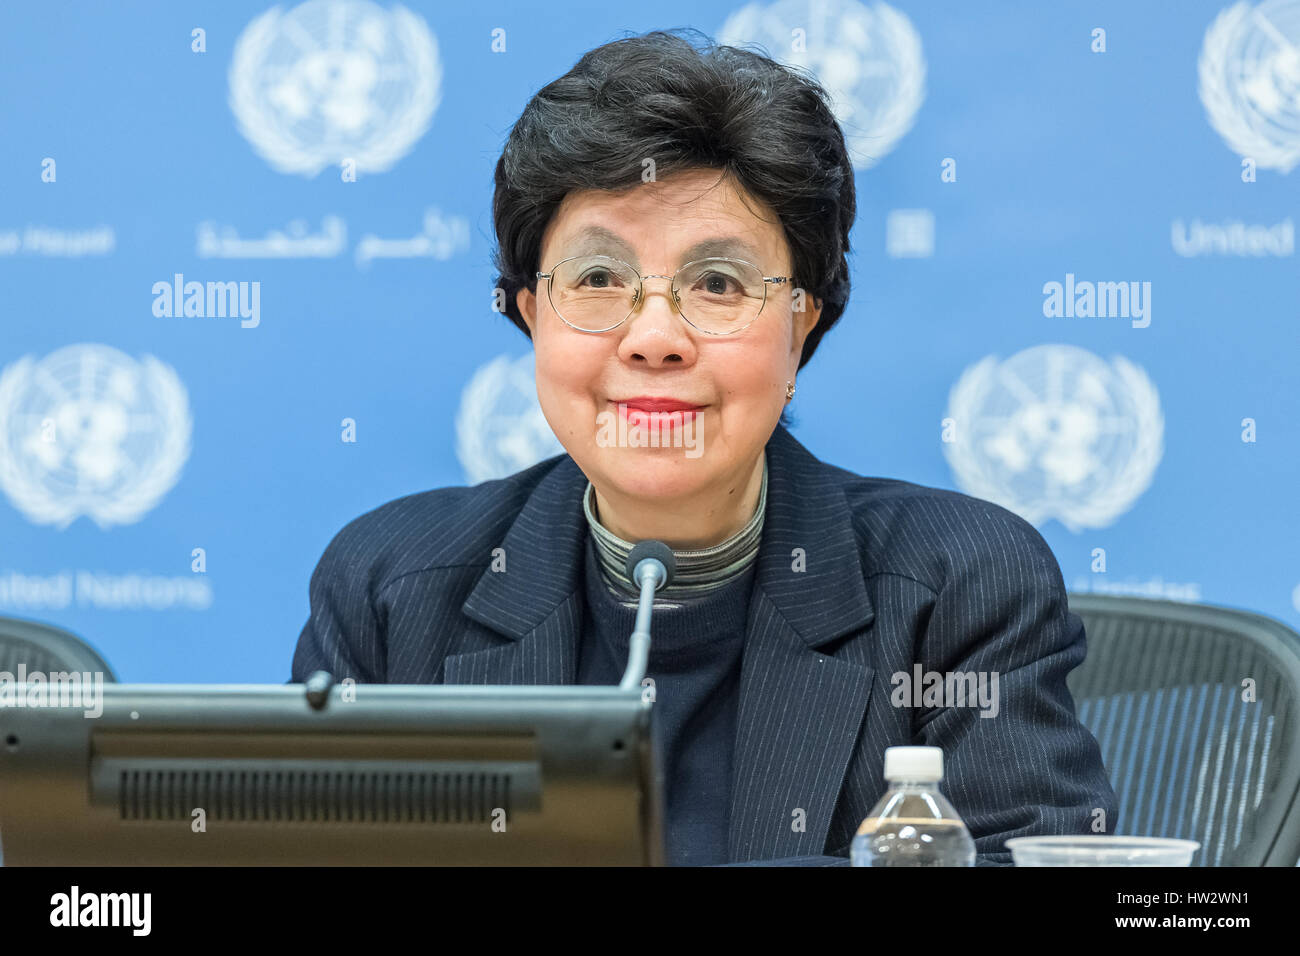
(655,330)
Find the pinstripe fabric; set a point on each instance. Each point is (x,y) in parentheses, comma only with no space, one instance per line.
(858,579)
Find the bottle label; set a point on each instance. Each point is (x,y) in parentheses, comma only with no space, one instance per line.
(871,824)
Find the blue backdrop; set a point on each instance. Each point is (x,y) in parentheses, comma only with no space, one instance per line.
(1075,287)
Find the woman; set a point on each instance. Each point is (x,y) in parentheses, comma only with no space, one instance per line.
(672,229)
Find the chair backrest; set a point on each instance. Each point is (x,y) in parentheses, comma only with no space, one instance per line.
(45,648)
(1196,711)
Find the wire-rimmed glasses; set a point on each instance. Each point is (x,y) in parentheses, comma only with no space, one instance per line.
(717,295)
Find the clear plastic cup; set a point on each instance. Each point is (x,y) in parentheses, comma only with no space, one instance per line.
(1101,850)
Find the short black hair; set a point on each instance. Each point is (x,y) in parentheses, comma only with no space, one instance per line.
(766,125)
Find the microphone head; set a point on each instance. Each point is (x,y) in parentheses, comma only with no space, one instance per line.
(654,551)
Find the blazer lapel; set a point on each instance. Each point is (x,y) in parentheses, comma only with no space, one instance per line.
(800,709)
(537,601)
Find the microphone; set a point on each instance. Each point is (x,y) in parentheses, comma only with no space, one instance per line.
(650,565)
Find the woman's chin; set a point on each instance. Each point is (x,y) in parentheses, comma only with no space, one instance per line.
(654,472)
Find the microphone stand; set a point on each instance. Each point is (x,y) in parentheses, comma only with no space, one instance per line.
(650,565)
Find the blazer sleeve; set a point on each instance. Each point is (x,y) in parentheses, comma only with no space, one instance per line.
(1030,767)
(345,632)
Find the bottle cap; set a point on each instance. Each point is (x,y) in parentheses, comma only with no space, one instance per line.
(913,763)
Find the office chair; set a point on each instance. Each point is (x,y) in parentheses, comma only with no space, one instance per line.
(45,648)
(1166,690)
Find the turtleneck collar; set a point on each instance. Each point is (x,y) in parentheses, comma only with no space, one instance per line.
(698,572)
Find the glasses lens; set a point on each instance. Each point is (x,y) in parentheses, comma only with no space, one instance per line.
(593,293)
(720,295)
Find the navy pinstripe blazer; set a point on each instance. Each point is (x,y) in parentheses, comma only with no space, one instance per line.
(895,574)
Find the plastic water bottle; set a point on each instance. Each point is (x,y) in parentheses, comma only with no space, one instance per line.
(913,824)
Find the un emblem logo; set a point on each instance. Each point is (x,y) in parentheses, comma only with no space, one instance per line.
(1055,432)
(88,430)
(500,428)
(868,59)
(334,80)
(1250,81)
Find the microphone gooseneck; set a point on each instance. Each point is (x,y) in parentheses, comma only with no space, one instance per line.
(650,565)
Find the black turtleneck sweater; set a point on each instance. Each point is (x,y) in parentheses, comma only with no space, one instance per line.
(695,651)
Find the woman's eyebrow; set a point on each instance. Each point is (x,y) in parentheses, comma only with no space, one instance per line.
(726,247)
(595,239)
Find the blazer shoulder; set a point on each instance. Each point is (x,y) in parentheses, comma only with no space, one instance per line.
(453,526)
(935,535)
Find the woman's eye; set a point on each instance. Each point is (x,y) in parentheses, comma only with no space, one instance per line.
(717,283)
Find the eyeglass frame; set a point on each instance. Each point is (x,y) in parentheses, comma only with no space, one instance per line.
(640,292)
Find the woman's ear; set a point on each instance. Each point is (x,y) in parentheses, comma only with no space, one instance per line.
(527,304)
(806,321)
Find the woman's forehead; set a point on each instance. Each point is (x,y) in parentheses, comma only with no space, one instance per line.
(595,239)
(628,225)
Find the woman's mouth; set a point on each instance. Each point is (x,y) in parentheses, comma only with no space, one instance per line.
(657,413)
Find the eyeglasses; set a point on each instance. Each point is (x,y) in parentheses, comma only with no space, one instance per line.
(717,296)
